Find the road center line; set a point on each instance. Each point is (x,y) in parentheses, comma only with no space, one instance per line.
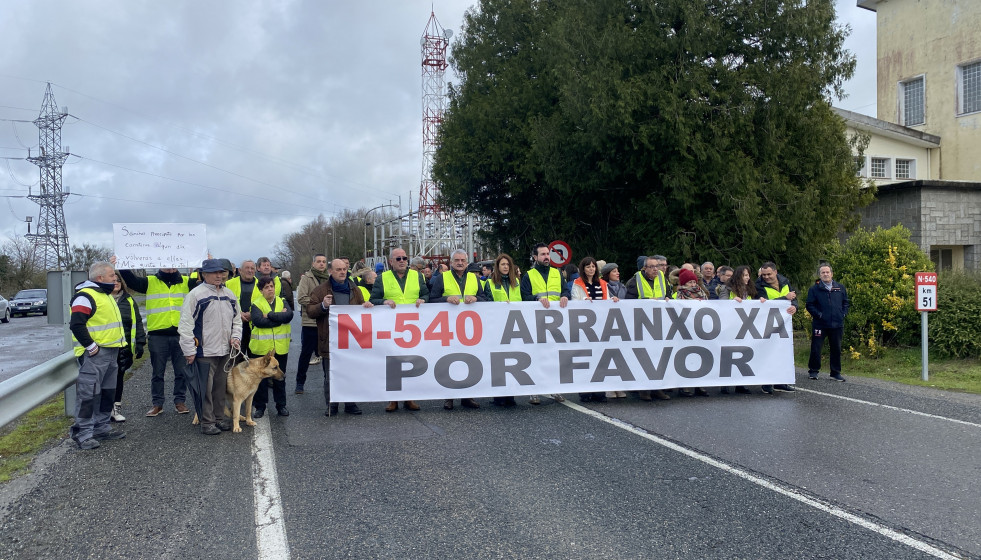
(870,403)
(270,529)
(786,491)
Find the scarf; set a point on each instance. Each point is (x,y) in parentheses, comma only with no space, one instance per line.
(339,288)
(320,276)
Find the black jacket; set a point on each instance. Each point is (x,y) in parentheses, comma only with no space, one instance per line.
(828,308)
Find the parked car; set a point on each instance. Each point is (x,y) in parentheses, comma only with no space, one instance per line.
(29,301)
(4,310)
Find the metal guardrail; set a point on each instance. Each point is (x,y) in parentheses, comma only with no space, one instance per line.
(25,391)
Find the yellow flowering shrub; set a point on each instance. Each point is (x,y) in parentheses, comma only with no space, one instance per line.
(877,267)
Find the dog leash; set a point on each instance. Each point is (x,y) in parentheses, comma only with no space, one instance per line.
(235,353)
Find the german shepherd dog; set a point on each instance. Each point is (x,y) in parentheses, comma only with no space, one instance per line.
(243,381)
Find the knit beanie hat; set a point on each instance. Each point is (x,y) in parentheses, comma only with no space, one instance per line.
(686,276)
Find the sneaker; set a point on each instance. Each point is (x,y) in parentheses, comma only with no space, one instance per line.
(117,415)
(210,430)
(315,360)
(299,389)
(111,434)
(814,376)
(660,395)
(155,411)
(785,388)
(611,394)
(181,408)
(558,398)
(282,410)
(768,389)
(837,377)
(535,399)
(88,444)
(621,394)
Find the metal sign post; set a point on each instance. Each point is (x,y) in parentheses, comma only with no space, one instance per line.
(926,301)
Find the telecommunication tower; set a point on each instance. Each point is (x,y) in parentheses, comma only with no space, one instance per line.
(51,239)
(435,41)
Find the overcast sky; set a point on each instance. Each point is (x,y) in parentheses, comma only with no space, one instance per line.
(251,116)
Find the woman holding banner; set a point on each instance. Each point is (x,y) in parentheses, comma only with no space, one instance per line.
(503,284)
(590,286)
(739,287)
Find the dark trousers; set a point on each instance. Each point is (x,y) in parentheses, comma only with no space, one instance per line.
(325,364)
(162,348)
(308,346)
(94,390)
(278,386)
(817,343)
(119,385)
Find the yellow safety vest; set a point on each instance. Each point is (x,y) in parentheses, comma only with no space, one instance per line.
(365,293)
(500,294)
(650,290)
(395,293)
(777,294)
(539,288)
(163,303)
(451,288)
(105,325)
(276,338)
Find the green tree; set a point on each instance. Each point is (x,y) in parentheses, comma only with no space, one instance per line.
(694,128)
(82,257)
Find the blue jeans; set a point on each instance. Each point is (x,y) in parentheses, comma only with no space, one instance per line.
(162,348)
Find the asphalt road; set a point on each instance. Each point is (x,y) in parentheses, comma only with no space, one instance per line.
(802,475)
(26,341)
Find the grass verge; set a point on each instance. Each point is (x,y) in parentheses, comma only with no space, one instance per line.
(30,434)
(902,365)
(23,439)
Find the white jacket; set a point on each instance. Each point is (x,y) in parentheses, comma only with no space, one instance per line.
(210,319)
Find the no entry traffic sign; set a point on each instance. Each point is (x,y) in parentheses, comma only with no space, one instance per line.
(559,253)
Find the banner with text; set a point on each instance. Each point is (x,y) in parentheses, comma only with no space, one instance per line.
(444,351)
(159,245)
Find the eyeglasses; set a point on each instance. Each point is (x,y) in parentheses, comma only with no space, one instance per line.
(400,259)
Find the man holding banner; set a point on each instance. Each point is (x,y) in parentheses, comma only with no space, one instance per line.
(544,284)
(165,293)
(400,286)
(458,286)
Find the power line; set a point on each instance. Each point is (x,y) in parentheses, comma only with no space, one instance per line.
(192,183)
(195,206)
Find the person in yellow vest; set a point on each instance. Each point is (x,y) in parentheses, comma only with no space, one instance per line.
(271,318)
(264,267)
(97,330)
(650,283)
(543,284)
(400,286)
(456,286)
(244,288)
(503,287)
(135,342)
(339,289)
(775,286)
(165,293)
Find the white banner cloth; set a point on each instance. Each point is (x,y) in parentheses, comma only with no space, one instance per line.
(445,351)
(159,245)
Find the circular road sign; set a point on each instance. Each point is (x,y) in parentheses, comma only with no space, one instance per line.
(559,253)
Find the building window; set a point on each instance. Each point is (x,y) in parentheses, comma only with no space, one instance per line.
(911,102)
(859,166)
(942,258)
(905,169)
(879,168)
(969,88)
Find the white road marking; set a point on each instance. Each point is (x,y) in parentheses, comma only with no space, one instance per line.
(270,529)
(786,491)
(916,412)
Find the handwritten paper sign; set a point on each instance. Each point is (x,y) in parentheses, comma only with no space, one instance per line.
(159,245)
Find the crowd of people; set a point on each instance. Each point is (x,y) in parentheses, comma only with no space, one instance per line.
(199,323)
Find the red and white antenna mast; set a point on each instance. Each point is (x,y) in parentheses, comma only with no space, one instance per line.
(435,41)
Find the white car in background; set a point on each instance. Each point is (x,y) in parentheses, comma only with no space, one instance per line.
(4,310)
